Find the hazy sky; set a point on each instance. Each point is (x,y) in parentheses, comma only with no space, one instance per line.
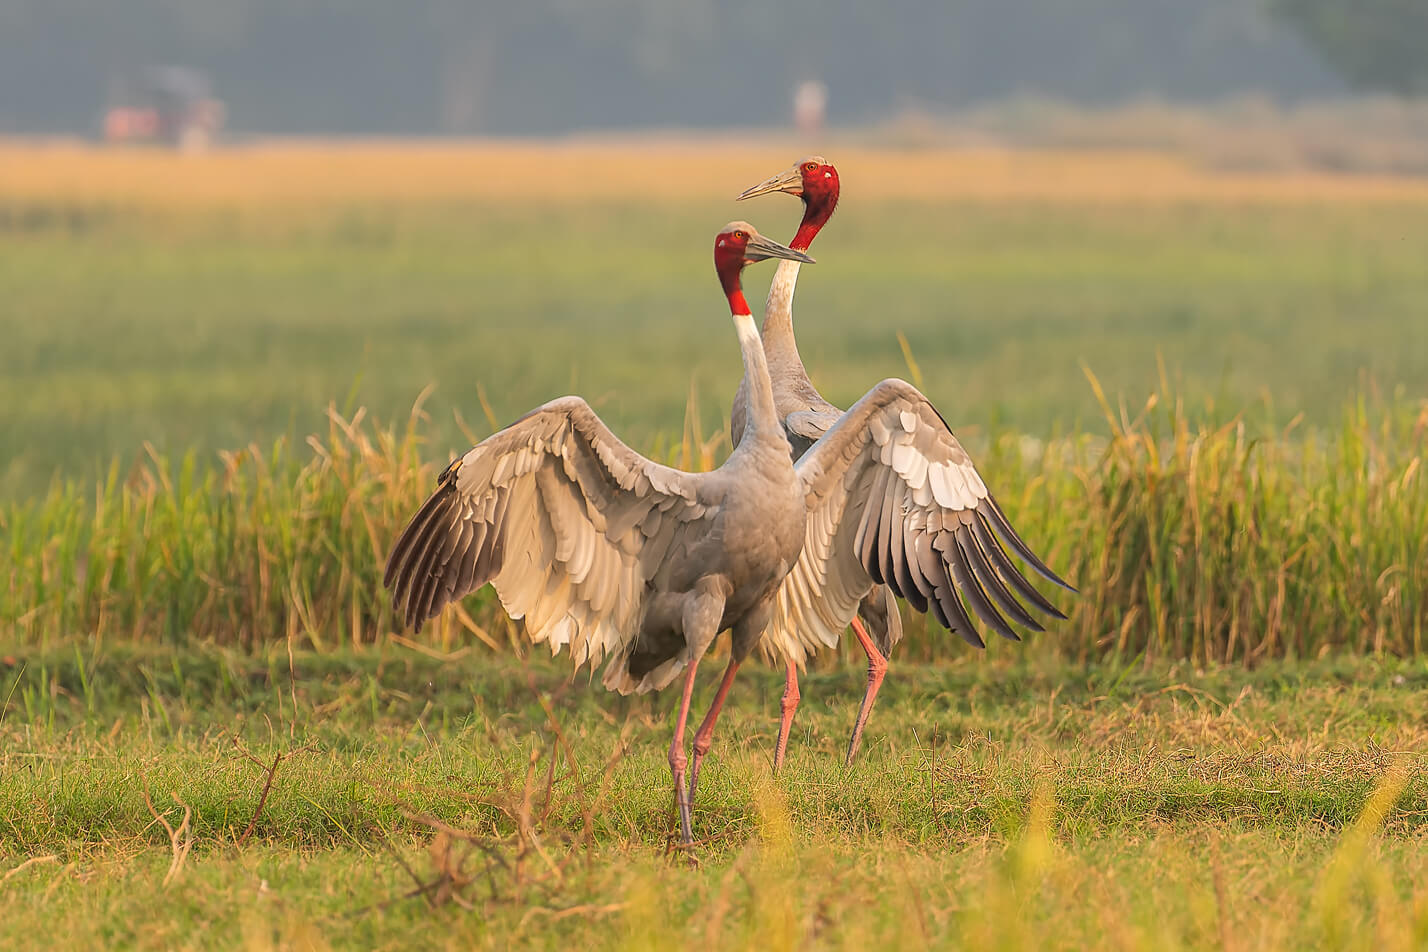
(550,66)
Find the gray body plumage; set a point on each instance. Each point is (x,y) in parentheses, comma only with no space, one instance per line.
(805,417)
(599,549)
(617,557)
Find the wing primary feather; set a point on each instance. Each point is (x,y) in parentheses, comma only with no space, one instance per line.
(492,558)
(901,539)
(872,520)
(952,608)
(450,566)
(921,561)
(411,576)
(1002,524)
(463,560)
(466,568)
(886,520)
(1009,572)
(428,569)
(916,596)
(414,579)
(972,587)
(940,613)
(992,583)
(401,551)
(489,561)
(934,573)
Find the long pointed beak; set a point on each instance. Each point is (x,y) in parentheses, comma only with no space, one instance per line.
(790,180)
(760,248)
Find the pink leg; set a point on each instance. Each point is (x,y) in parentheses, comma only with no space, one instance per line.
(877,667)
(789,704)
(677,758)
(705,735)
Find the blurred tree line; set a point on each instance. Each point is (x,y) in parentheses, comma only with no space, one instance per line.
(1374,44)
(535,66)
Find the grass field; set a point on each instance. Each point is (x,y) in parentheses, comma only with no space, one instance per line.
(212,301)
(1001,802)
(211,734)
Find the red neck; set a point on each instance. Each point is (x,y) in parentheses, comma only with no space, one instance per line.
(737,304)
(730,270)
(816,212)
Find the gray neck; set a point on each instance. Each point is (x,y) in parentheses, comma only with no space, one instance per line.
(779,344)
(762,418)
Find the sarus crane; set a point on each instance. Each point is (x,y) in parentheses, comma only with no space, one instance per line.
(623,559)
(981,569)
(612,554)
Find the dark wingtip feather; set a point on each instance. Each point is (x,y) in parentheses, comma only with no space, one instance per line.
(991,581)
(409,564)
(972,590)
(958,619)
(401,549)
(1009,572)
(1003,525)
(970,635)
(421,577)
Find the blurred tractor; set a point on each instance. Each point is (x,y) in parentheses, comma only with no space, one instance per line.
(168,105)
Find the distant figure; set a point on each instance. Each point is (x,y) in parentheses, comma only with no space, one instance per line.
(810,104)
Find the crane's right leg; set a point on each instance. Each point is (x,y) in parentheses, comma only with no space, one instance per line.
(677,759)
(877,667)
(788,705)
(702,614)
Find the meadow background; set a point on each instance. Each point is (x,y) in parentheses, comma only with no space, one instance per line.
(1198,390)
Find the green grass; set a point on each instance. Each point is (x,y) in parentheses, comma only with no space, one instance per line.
(1223,747)
(209,330)
(1000,801)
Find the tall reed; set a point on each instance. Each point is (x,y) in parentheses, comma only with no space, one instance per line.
(1188,540)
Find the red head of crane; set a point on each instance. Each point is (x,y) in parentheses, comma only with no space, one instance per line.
(813,179)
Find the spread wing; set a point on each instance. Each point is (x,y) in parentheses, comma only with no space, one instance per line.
(565,520)
(893,498)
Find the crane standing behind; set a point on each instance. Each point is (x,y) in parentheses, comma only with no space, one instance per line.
(807,417)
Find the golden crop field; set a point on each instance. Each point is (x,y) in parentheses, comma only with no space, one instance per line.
(654,170)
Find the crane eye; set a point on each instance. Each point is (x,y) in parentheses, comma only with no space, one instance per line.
(811,166)
(740,235)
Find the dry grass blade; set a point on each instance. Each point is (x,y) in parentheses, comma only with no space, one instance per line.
(180,839)
(32,861)
(528,864)
(271,773)
(592,910)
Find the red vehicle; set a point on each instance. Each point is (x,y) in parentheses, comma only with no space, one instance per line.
(169,105)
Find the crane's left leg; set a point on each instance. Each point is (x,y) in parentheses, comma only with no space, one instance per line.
(677,759)
(877,667)
(705,735)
